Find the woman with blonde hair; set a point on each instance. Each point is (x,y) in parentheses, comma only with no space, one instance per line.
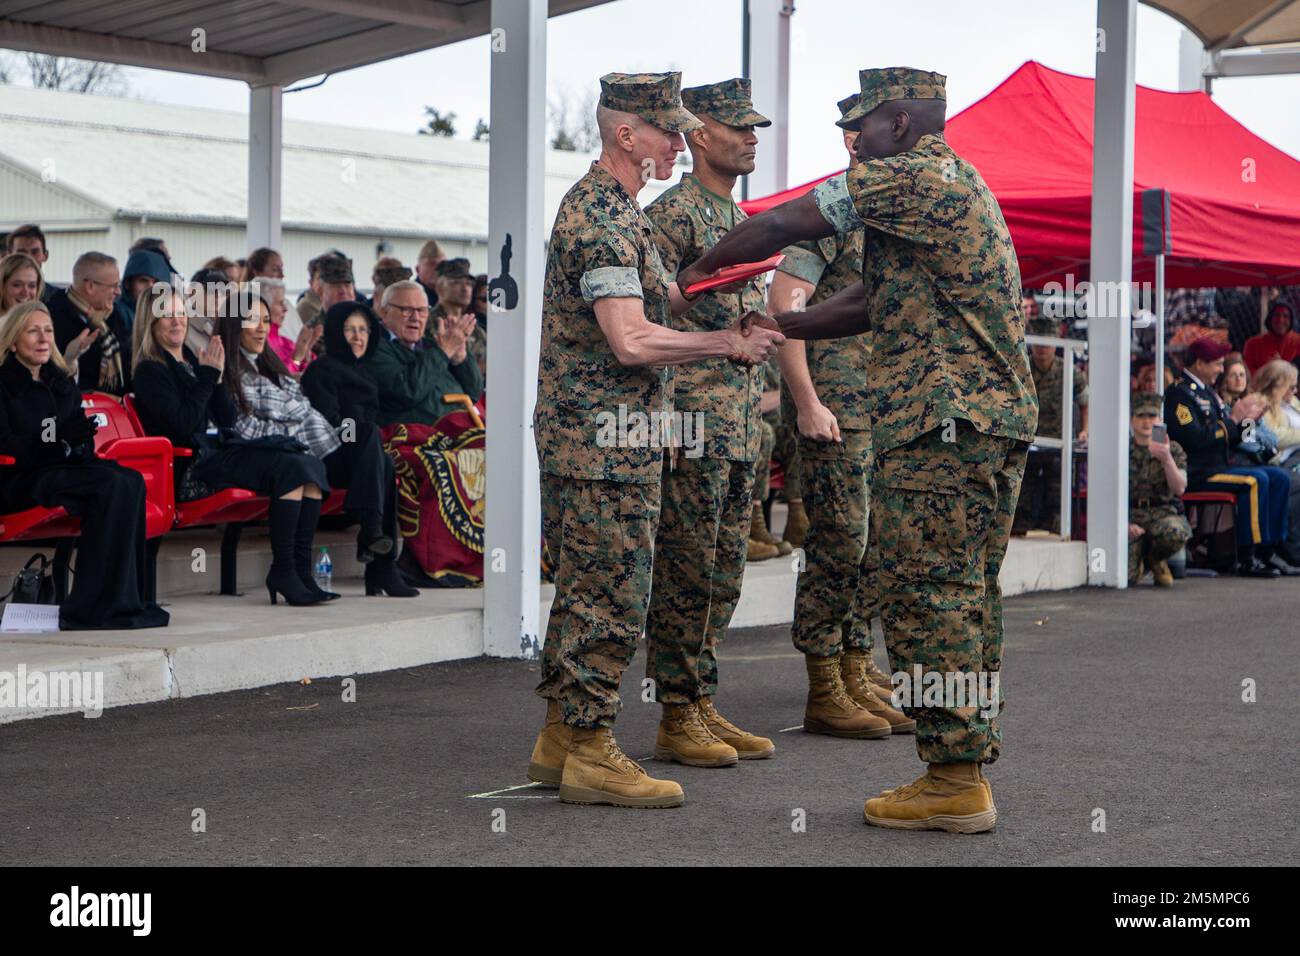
(20,281)
(58,468)
(1275,382)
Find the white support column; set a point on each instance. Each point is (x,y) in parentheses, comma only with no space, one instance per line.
(767,64)
(516,260)
(1192,62)
(265,137)
(1109,299)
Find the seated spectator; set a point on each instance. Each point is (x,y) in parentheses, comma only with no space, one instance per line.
(29,240)
(1275,383)
(1145,381)
(20,281)
(263,263)
(178,395)
(426,269)
(84,314)
(312,303)
(1235,380)
(294,353)
(1211,434)
(108,587)
(339,386)
(1279,341)
(387,271)
(414,373)
(144,267)
(1157,476)
(205,301)
(1039,504)
(479,306)
(234,272)
(270,402)
(455,287)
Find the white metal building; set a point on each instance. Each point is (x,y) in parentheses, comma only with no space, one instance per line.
(99,172)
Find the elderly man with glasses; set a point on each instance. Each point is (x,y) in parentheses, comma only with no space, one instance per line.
(90,333)
(413,374)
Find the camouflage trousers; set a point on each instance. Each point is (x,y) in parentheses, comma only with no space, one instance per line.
(835,595)
(786,448)
(761,474)
(601,536)
(698,568)
(942,516)
(1166,532)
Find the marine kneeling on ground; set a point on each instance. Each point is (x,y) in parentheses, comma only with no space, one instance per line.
(1157,475)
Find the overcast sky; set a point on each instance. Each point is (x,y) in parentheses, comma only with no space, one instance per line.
(977,44)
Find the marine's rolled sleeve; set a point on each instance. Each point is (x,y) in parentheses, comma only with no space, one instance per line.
(610,262)
(836,205)
(804,261)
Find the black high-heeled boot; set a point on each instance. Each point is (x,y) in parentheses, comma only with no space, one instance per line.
(302,542)
(283,578)
(382,577)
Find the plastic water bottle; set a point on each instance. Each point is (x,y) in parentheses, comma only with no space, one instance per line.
(324,570)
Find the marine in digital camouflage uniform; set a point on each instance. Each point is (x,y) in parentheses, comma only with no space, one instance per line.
(600,487)
(600,499)
(1151,503)
(835,474)
(1041,489)
(704,516)
(952,405)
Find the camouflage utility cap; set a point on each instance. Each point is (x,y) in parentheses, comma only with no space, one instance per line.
(727,102)
(1044,325)
(454,269)
(846,105)
(654,97)
(335,269)
(892,83)
(1146,403)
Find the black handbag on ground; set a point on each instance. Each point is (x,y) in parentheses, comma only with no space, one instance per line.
(32,585)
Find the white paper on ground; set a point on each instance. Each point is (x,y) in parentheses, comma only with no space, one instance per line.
(30,619)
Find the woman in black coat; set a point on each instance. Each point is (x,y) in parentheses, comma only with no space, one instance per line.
(57,467)
(178,395)
(339,386)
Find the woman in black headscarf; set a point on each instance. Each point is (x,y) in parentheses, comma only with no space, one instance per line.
(339,386)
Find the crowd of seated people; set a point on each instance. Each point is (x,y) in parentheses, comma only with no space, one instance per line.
(1229,404)
(288,417)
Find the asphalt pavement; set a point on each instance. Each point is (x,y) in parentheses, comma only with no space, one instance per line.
(1124,710)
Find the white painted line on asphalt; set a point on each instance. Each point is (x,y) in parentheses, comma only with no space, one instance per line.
(493,793)
(786,730)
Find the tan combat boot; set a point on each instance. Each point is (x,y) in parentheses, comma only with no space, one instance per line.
(830,710)
(683,737)
(760,550)
(747,746)
(953,797)
(547,763)
(796,525)
(597,771)
(1164,577)
(853,668)
(880,681)
(758,531)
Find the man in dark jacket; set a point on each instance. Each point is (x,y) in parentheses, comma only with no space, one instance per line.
(1212,434)
(413,377)
(85,318)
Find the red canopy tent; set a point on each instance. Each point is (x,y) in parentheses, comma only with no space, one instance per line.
(1229,203)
